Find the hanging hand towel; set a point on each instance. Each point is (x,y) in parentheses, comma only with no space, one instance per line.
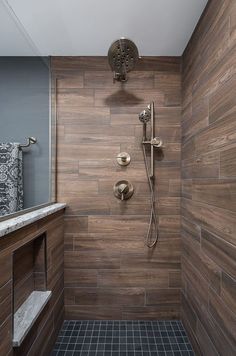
(11,178)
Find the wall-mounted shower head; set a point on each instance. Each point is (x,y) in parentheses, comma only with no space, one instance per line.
(122,57)
(145,116)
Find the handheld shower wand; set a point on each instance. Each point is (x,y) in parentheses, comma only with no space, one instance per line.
(145,117)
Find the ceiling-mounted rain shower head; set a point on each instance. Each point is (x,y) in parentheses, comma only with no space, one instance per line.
(145,116)
(122,57)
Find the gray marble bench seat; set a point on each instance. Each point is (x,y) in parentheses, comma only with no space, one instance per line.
(27,314)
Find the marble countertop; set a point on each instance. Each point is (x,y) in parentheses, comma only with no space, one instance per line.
(13,224)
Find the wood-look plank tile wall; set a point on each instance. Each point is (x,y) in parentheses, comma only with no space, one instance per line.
(109,272)
(209,181)
(41,337)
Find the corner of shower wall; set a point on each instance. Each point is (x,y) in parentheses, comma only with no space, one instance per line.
(208,182)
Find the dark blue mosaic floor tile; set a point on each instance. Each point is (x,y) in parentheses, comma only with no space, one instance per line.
(122,338)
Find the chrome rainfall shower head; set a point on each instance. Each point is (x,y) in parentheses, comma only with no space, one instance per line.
(145,116)
(122,57)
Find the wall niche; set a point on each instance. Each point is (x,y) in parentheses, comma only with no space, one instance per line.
(30,293)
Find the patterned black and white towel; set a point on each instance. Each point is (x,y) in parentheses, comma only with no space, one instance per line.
(11,178)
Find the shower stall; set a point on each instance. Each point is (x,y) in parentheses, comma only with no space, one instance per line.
(118,163)
(137,255)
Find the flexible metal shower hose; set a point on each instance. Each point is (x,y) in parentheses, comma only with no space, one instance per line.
(153,217)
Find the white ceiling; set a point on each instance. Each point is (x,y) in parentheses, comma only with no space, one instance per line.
(12,40)
(87,27)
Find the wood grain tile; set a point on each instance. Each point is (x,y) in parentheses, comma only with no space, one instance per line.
(187,187)
(76,187)
(151,313)
(208,269)
(198,120)
(129,278)
(6,302)
(216,136)
(74,151)
(188,313)
(95,260)
(169,206)
(233,24)
(166,256)
(6,268)
(228,291)
(103,79)
(164,172)
(174,279)
(131,225)
(206,345)
(74,97)
(194,279)
(66,63)
(76,115)
(218,337)
(224,318)
(203,166)
(192,230)
(99,129)
(162,296)
(130,97)
(114,242)
(105,238)
(220,193)
(85,206)
(91,312)
(220,251)
(69,80)
(222,100)
(6,337)
(168,116)
(228,163)
(75,224)
(105,296)
(220,221)
(169,223)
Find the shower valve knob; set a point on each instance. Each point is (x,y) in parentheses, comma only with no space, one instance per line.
(123,190)
(123,159)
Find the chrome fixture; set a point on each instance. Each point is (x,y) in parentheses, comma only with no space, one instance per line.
(123,159)
(30,141)
(123,190)
(145,116)
(148,115)
(122,57)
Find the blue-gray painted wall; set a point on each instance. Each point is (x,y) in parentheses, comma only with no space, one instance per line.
(24,112)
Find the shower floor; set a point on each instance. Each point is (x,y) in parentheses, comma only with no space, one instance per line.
(122,338)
